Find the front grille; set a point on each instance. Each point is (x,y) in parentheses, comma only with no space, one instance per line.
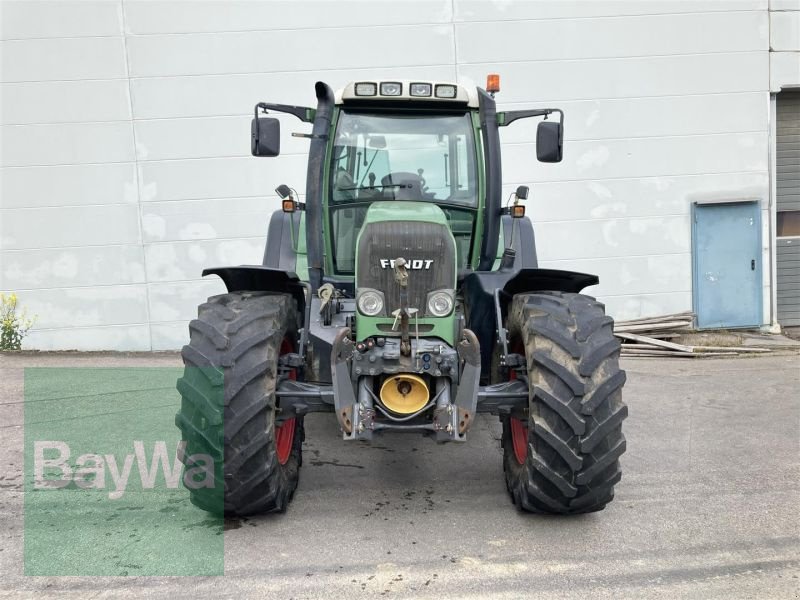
(421,244)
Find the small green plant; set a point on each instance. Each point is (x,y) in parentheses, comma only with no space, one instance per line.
(13,326)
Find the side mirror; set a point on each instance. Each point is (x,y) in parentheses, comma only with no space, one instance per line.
(549,138)
(265,137)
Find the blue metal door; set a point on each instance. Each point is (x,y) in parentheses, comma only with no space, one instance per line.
(726,242)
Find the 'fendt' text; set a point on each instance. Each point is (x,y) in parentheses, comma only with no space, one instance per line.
(410,264)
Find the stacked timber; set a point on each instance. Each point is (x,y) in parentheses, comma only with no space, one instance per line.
(650,337)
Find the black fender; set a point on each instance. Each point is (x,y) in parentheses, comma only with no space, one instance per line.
(257,278)
(279,251)
(478,292)
(539,280)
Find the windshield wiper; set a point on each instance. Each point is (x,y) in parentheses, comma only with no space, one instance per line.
(372,187)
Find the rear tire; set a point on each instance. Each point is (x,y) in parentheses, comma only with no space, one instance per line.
(228,407)
(564,457)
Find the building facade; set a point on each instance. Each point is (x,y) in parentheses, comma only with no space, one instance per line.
(126,166)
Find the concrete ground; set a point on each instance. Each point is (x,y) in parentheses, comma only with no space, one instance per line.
(792,332)
(707,507)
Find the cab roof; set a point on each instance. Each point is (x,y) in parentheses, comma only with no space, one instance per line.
(429,92)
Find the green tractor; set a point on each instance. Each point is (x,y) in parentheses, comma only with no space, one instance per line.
(403,296)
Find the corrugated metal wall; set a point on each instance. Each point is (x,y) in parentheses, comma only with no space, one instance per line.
(788,200)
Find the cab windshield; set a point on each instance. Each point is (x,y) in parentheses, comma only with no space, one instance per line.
(428,158)
(421,158)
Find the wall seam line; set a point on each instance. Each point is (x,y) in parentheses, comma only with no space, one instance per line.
(137,174)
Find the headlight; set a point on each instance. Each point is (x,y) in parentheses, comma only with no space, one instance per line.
(370,303)
(391,88)
(446,91)
(420,89)
(440,303)
(366,88)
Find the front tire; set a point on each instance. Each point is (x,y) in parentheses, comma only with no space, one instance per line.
(228,407)
(563,456)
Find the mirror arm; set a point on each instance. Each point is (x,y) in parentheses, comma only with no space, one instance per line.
(305,114)
(506,118)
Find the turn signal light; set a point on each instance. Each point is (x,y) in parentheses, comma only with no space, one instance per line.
(289,206)
(518,211)
(493,83)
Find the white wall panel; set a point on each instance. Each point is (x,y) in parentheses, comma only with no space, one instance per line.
(785,31)
(203,137)
(23,19)
(88,306)
(171,16)
(169,336)
(626,77)
(68,185)
(66,143)
(204,96)
(65,267)
(646,305)
(249,52)
(642,157)
(480,10)
(129,338)
(220,177)
(182,261)
(211,137)
(662,273)
(63,58)
(568,201)
(613,238)
(613,38)
(69,226)
(784,70)
(185,220)
(647,117)
(65,101)
(178,301)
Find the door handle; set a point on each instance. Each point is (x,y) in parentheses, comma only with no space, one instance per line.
(753,265)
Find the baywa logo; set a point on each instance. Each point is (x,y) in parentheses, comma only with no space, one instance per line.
(105,471)
(109,483)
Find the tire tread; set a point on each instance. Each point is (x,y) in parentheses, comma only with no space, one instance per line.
(576,410)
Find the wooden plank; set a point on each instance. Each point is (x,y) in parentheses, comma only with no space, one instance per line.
(686,315)
(654,327)
(654,342)
(736,349)
(647,346)
(659,353)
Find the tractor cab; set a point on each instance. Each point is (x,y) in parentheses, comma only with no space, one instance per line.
(427,155)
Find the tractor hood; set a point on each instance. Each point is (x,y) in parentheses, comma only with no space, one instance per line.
(417,232)
(405,211)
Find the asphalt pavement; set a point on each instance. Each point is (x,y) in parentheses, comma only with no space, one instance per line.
(707,506)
